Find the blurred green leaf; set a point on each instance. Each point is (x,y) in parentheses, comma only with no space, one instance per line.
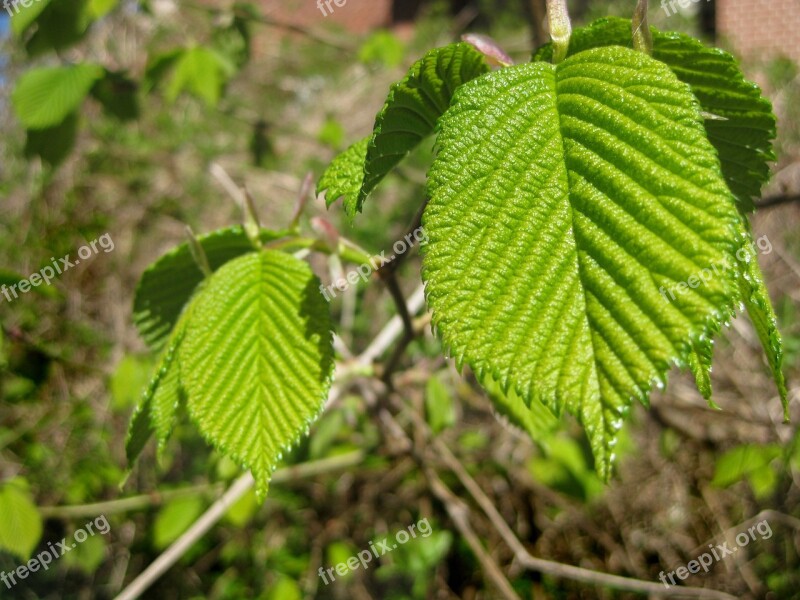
(20,523)
(53,144)
(284,589)
(243,509)
(129,379)
(174,518)
(200,71)
(117,93)
(87,555)
(750,462)
(382,48)
(439,407)
(23,19)
(45,97)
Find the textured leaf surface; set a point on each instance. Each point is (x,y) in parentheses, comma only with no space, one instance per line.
(20,523)
(257,359)
(412,109)
(342,178)
(167,285)
(562,199)
(743,138)
(45,97)
(700,359)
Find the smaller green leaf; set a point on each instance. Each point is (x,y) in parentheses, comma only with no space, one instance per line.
(45,97)
(257,360)
(342,178)
(20,522)
(412,110)
(174,518)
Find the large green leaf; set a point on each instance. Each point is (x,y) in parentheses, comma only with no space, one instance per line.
(412,109)
(257,359)
(744,125)
(562,198)
(20,523)
(45,97)
(167,285)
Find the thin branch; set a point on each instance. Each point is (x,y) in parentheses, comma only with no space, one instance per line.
(460,515)
(774,201)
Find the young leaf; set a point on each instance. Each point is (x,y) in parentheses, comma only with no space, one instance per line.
(257,359)
(45,97)
(561,200)
(342,178)
(412,109)
(167,284)
(743,136)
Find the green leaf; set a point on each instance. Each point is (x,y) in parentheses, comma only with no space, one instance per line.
(742,461)
(412,109)
(743,137)
(20,523)
(202,72)
(759,307)
(167,284)
(174,518)
(53,144)
(257,359)
(342,178)
(118,95)
(45,97)
(20,21)
(561,200)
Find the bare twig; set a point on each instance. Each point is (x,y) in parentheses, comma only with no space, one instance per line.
(773,201)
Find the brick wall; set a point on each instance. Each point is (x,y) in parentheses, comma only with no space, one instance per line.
(357,16)
(755,27)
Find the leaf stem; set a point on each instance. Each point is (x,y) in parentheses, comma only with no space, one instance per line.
(560,28)
(640,29)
